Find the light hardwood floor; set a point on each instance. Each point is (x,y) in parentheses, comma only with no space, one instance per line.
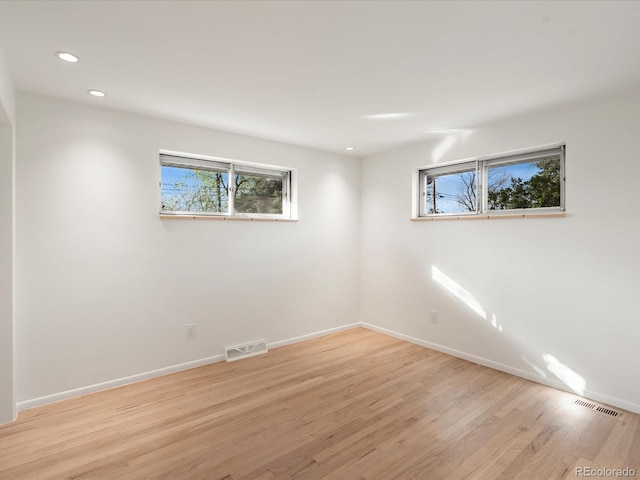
(355,405)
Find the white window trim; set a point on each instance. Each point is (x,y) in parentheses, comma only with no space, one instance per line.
(481,166)
(290,191)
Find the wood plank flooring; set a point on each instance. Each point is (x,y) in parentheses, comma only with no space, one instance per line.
(355,405)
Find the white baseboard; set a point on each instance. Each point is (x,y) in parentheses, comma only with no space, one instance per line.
(309,336)
(534,377)
(76,392)
(596,396)
(118,382)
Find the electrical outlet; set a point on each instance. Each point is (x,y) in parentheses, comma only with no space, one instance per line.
(435,318)
(191,331)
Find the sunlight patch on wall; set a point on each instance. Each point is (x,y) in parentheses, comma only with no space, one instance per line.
(453,136)
(494,322)
(570,378)
(537,369)
(573,380)
(388,116)
(458,291)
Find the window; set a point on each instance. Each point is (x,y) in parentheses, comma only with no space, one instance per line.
(450,190)
(530,182)
(214,187)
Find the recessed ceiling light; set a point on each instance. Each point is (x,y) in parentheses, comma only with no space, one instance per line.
(97,93)
(67,57)
(350,149)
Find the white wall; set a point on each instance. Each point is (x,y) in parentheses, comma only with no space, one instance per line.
(7,404)
(561,287)
(105,287)
(7,90)
(7,112)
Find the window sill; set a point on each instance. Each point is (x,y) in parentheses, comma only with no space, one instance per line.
(221,217)
(505,216)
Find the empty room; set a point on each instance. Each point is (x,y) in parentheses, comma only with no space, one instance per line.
(359,240)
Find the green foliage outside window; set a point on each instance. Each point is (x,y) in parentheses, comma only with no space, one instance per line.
(191,190)
(523,182)
(539,191)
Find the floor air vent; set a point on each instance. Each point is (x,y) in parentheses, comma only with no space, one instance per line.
(608,411)
(582,403)
(246,350)
(593,406)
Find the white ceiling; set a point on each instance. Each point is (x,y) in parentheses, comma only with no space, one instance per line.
(325,74)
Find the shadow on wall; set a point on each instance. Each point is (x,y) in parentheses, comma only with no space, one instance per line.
(574,381)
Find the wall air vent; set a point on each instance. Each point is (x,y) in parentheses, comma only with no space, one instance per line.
(246,350)
(597,408)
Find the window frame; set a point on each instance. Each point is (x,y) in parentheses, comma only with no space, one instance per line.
(231,167)
(481,165)
(445,170)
